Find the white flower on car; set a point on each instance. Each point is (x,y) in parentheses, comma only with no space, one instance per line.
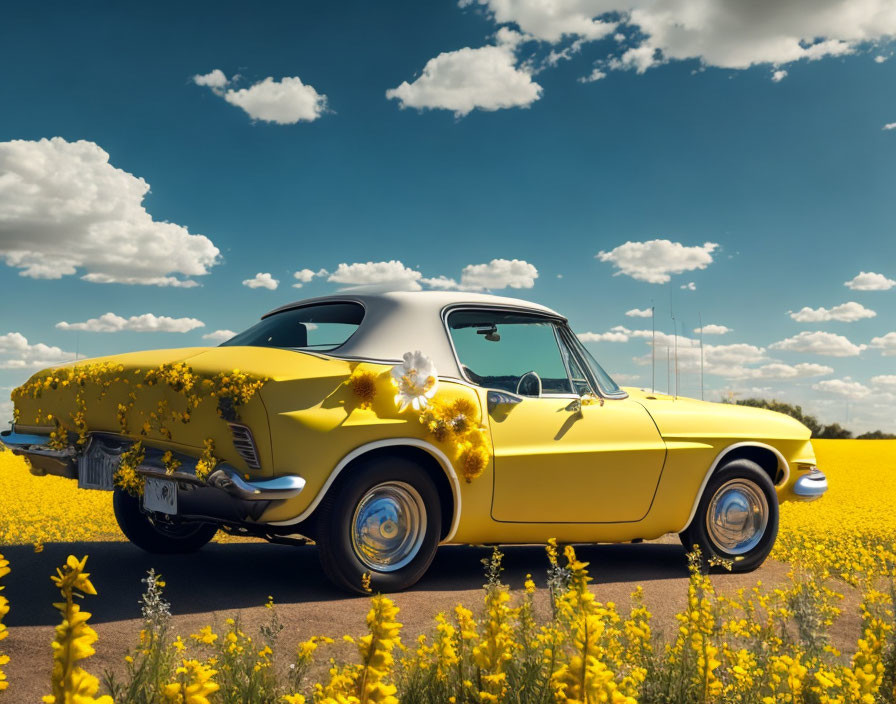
(416,380)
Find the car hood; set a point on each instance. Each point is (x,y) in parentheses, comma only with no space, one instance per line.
(683,417)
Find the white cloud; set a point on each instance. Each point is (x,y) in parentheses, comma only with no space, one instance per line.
(441,283)
(720,360)
(284,102)
(778,370)
(610,336)
(845,313)
(779,75)
(262,280)
(551,21)
(219,335)
(879,59)
(713,330)
(734,361)
(487,78)
(53,191)
(823,343)
(869,281)
(391,275)
(303,276)
(732,35)
(655,260)
(886,344)
(595,75)
(638,58)
(889,126)
(214,79)
(639,313)
(109,322)
(885,381)
(690,286)
(17,353)
(845,387)
(497,274)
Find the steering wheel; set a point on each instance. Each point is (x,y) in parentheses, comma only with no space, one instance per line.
(529,385)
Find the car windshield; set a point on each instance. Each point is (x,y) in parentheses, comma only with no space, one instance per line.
(320,327)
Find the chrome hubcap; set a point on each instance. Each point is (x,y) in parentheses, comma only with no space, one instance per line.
(388,526)
(737,516)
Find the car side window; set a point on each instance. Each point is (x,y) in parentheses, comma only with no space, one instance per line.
(497,349)
(320,327)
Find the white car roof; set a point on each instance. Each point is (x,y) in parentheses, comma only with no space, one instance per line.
(396,322)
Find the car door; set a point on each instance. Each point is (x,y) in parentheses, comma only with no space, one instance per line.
(557,459)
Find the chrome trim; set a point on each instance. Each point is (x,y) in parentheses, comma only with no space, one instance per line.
(811,485)
(14,440)
(99,461)
(43,459)
(436,453)
(388,526)
(228,479)
(244,444)
(737,517)
(181,477)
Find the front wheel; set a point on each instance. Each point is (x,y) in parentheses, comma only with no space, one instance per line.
(155,535)
(383,521)
(737,517)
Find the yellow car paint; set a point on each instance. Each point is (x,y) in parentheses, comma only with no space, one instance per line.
(628,468)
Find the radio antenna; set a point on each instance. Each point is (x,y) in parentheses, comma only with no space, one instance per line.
(675,337)
(652,348)
(668,371)
(700,318)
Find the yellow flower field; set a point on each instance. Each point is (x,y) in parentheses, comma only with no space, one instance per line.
(758,646)
(851,530)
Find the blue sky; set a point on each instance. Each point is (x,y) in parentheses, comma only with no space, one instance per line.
(764,136)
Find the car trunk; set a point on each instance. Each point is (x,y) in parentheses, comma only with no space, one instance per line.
(164,398)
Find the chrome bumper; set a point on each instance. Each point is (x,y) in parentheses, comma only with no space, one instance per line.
(94,466)
(44,459)
(811,486)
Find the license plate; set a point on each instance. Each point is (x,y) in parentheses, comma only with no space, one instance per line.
(160,495)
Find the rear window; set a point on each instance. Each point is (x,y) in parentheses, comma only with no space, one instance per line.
(320,327)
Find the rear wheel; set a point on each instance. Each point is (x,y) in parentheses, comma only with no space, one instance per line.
(383,521)
(737,517)
(156,535)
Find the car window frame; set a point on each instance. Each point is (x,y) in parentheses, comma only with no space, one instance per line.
(538,316)
(573,346)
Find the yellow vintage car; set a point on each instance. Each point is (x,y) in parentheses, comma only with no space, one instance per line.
(381,426)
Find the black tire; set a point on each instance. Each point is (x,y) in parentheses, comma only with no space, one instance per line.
(751,478)
(341,560)
(158,537)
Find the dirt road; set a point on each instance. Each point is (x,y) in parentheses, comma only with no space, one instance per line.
(225,579)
